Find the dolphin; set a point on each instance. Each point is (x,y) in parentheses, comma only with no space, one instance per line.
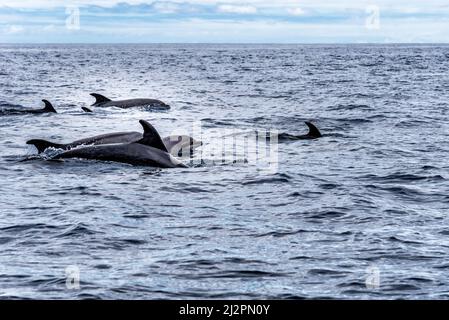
(313,133)
(174,144)
(177,145)
(148,151)
(47,109)
(110,138)
(102,101)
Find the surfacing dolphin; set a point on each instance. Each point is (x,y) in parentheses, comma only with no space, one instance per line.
(110,138)
(176,145)
(148,151)
(313,133)
(180,145)
(102,101)
(47,109)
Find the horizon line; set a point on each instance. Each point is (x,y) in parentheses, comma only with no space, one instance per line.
(226,43)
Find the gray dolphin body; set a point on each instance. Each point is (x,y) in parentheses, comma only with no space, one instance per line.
(110,138)
(47,109)
(102,101)
(149,151)
(174,144)
(313,133)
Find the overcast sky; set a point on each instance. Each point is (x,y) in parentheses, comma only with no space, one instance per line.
(231,21)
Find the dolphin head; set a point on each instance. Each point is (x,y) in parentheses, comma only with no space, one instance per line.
(161,105)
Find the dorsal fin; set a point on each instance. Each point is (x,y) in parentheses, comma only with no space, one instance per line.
(99,98)
(48,106)
(151,137)
(41,145)
(313,131)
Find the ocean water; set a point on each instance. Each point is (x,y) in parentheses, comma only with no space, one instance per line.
(360,213)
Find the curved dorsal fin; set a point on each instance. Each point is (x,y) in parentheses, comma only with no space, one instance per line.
(48,106)
(313,131)
(99,98)
(42,145)
(151,137)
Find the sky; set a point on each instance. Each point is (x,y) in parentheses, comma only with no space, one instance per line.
(227,21)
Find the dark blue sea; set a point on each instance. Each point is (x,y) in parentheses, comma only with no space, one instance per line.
(361,213)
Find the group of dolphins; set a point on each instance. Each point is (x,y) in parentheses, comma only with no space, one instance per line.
(100,102)
(135,148)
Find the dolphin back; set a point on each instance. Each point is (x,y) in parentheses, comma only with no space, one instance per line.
(314,133)
(133,153)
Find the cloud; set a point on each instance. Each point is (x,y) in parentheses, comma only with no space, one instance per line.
(167,7)
(12,29)
(228,8)
(224,21)
(49,27)
(296,11)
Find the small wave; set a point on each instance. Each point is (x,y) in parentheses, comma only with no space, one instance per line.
(4,240)
(329,186)
(288,296)
(7,105)
(397,239)
(89,296)
(356,95)
(401,191)
(77,230)
(237,274)
(308,194)
(230,81)
(400,287)
(326,272)
(278,178)
(266,180)
(442,266)
(412,123)
(401,177)
(419,279)
(339,107)
(427,167)
(354,120)
(47,282)
(278,234)
(302,258)
(186,190)
(216,122)
(137,216)
(243,261)
(353,284)
(102,266)
(133,241)
(326,215)
(26,227)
